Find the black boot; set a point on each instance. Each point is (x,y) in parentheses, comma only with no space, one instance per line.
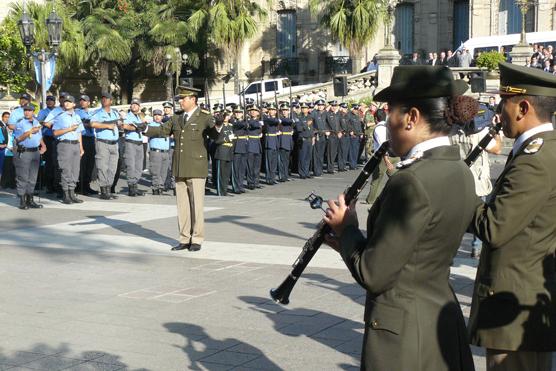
(23,205)
(104,195)
(67,199)
(112,192)
(90,191)
(138,192)
(131,190)
(74,198)
(156,192)
(32,204)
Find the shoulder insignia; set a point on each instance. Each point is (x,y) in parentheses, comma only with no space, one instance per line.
(205,112)
(534,146)
(410,161)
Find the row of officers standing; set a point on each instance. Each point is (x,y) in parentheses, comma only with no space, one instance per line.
(79,145)
(268,140)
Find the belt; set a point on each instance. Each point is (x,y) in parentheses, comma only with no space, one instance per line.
(287,133)
(68,141)
(137,143)
(254,137)
(243,137)
(160,150)
(24,149)
(107,141)
(271,135)
(227,144)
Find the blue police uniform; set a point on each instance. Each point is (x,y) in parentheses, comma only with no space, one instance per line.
(88,158)
(68,151)
(27,157)
(133,152)
(106,146)
(15,116)
(159,160)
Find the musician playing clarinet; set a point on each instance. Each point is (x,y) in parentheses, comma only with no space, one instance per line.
(413,320)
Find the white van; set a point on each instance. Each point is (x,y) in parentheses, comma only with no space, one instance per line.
(487,43)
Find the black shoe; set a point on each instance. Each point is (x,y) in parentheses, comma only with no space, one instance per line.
(173,191)
(251,188)
(90,191)
(67,199)
(59,194)
(50,191)
(113,190)
(104,195)
(181,246)
(258,186)
(156,192)
(242,191)
(194,247)
(74,198)
(32,204)
(23,205)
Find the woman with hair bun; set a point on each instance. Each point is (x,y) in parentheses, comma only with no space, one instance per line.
(413,320)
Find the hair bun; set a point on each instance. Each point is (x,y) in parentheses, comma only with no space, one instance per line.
(462,110)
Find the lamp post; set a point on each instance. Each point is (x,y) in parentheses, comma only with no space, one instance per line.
(27,32)
(524,7)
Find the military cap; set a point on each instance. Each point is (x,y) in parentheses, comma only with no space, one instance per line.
(421,82)
(265,105)
(68,98)
(25,96)
(63,94)
(343,105)
(253,108)
(167,105)
(333,102)
(320,102)
(249,101)
(355,106)
(520,80)
(304,105)
(282,102)
(85,97)
(311,105)
(186,91)
(51,97)
(157,112)
(238,109)
(106,95)
(295,105)
(135,101)
(272,106)
(284,106)
(28,107)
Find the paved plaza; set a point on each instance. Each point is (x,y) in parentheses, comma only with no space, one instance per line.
(94,286)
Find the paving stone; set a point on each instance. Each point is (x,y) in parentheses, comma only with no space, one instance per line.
(20,358)
(52,363)
(226,357)
(94,366)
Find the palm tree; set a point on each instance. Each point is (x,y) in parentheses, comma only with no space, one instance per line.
(104,39)
(352,23)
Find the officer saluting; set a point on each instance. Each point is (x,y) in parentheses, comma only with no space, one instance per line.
(27,134)
(513,312)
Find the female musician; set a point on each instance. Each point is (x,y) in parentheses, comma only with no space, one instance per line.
(412,318)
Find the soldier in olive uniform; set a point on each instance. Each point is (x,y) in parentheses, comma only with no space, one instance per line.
(319,128)
(190,165)
(305,138)
(369,123)
(413,320)
(513,312)
(255,133)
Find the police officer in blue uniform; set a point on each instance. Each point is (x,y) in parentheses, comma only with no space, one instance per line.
(105,122)
(17,113)
(133,126)
(159,156)
(240,151)
(319,128)
(48,138)
(305,139)
(88,140)
(343,136)
(285,143)
(333,134)
(53,173)
(255,134)
(170,180)
(28,138)
(271,122)
(67,128)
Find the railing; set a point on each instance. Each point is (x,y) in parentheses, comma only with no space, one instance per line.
(337,65)
(284,66)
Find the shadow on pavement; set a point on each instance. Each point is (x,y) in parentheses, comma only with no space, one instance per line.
(207,353)
(45,357)
(236,220)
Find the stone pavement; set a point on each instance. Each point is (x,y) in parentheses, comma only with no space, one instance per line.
(94,286)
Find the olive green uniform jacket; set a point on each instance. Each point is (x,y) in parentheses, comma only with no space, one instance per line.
(412,318)
(190,153)
(514,299)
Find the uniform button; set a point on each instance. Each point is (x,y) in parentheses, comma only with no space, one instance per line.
(374,323)
(490,292)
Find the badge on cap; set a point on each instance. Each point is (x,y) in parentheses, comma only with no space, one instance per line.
(534,146)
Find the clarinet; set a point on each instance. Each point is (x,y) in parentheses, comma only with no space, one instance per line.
(476,152)
(282,293)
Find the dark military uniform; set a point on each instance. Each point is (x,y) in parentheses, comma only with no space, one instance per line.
(305,139)
(355,138)
(224,155)
(413,320)
(319,149)
(239,171)
(514,302)
(344,140)
(332,142)
(271,148)
(254,132)
(286,146)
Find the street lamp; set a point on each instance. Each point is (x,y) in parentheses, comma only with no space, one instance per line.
(524,7)
(27,32)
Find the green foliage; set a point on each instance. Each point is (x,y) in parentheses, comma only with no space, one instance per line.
(13,61)
(353,23)
(490,60)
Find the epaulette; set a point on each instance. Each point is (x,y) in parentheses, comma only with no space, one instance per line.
(534,146)
(205,112)
(410,161)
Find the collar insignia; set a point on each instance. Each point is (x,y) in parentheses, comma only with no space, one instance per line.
(534,146)
(409,161)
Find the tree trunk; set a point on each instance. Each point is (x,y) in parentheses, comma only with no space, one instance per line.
(104,80)
(169,86)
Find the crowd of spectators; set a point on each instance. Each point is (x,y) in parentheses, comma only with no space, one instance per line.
(543,58)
